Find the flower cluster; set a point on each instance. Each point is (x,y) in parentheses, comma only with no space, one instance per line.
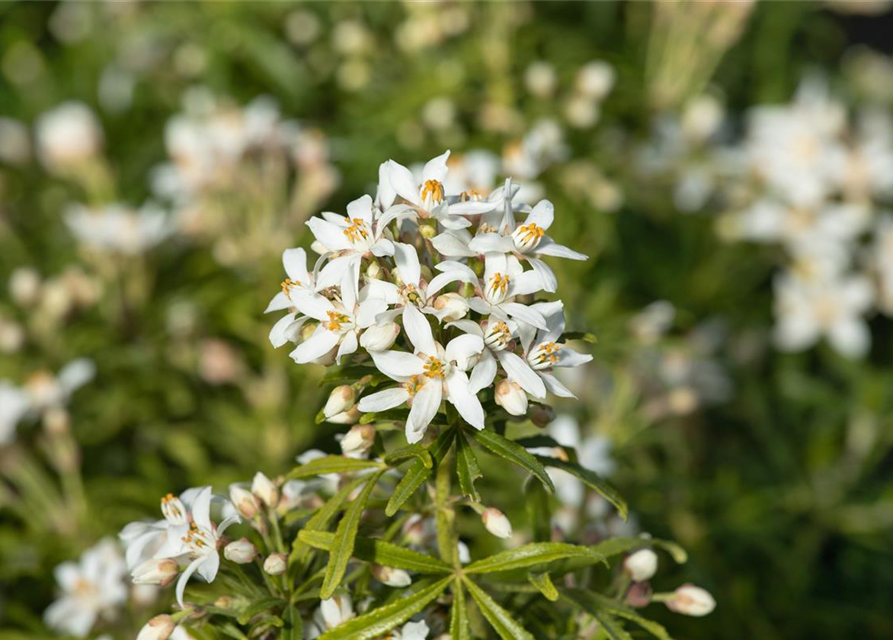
(436,288)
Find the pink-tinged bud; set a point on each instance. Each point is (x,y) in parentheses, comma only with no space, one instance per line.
(358,440)
(390,576)
(639,595)
(641,565)
(240,551)
(511,397)
(244,501)
(451,306)
(346,417)
(690,600)
(341,399)
(155,572)
(496,523)
(264,489)
(380,338)
(542,415)
(275,564)
(158,628)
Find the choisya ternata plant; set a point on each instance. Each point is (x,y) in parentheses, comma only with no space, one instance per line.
(421,306)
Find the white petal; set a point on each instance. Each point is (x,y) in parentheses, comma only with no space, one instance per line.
(547,247)
(463,347)
(331,236)
(316,346)
(398,365)
(208,568)
(483,374)
(453,244)
(368,310)
(519,371)
(407,259)
(425,404)
(361,208)
(524,314)
(295,263)
(201,508)
(333,273)
(436,168)
(315,306)
(494,263)
(382,247)
(386,194)
(383,400)
(525,283)
(441,280)
(283,331)
(543,215)
(554,386)
(184,578)
(386,291)
(468,326)
(348,346)
(567,357)
(850,337)
(279,302)
(76,374)
(491,243)
(466,403)
(418,330)
(403,183)
(545,273)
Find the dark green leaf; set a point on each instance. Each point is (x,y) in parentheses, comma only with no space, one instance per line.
(331,464)
(532,554)
(618,609)
(467,467)
(410,451)
(583,599)
(539,510)
(418,473)
(459,628)
(515,453)
(501,620)
(256,608)
(380,552)
(591,480)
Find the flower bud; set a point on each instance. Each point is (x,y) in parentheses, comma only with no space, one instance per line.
(346,417)
(451,306)
(496,523)
(341,399)
(358,440)
(275,564)
(244,501)
(264,489)
(158,628)
(240,551)
(390,576)
(155,572)
(511,397)
(639,595)
(690,600)
(380,338)
(373,271)
(542,415)
(641,565)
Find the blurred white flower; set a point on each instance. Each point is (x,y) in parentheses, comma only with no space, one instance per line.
(117,228)
(67,136)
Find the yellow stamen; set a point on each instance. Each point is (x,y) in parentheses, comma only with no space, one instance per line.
(336,320)
(434,190)
(434,368)
(287,284)
(357,231)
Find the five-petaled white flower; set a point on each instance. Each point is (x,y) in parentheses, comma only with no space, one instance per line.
(544,352)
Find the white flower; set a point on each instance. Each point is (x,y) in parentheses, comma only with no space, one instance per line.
(275,564)
(544,352)
(91,588)
(14,405)
(264,489)
(331,613)
(117,228)
(511,397)
(527,240)
(691,601)
(807,310)
(162,538)
(428,375)
(497,523)
(200,542)
(412,631)
(68,135)
(427,195)
(299,282)
(641,565)
(390,576)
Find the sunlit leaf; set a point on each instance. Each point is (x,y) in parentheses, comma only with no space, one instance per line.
(515,453)
(532,554)
(501,620)
(418,473)
(380,552)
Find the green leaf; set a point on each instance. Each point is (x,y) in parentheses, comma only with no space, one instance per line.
(591,480)
(515,453)
(501,620)
(331,464)
(294,625)
(418,473)
(467,468)
(618,609)
(539,510)
(381,620)
(345,538)
(459,629)
(410,451)
(324,515)
(256,608)
(616,546)
(580,335)
(532,554)
(380,552)
(543,583)
(584,600)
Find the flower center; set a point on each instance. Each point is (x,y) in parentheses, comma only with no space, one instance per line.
(472,195)
(414,385)
(498,336)
(198,539)
(173,509)
(358,232)
(432,193)
(413,295)
(435,368)
(287,285)
(497,288)
(544,356)
(336,321)
(527,236)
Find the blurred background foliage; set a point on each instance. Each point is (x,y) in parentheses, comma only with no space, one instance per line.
(773,469)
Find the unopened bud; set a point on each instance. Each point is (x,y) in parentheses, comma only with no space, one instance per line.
(345,417)
(155,572)
(639,595)
(358,440)
(542,415)
(275,564)
(158,628)
(426,230)
(373,271)
(380,338)
(451,306)
(641,565)
(390,576)
(240,551)
(341,399)
(690,600)
(244,501)
(264,489)
(511,397)
(496,523)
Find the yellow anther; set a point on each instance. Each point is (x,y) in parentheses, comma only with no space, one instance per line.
(414,385)
(434,368)
(336,320)
(499,282)
(287,284)
(472,195)
(432,189)
(357,231)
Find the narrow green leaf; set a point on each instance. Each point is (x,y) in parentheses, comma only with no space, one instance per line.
(324,515)
(459,628)
(407,452)
(294,625)
(543,583)
(380,552)
(532,554)
(539,510)
(467,468)
(591,480)
(515,453)
(580,335)
(616,546)
(256,608)
(345,538)
(618,609)
(501,620)
(583,599)
(418,473)
(381,620)
(331,464)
